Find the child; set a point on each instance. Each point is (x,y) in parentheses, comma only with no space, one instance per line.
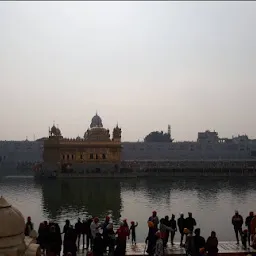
(244,238)
(132,228)
(159,251)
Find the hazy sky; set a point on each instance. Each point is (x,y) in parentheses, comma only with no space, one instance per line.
(142,64)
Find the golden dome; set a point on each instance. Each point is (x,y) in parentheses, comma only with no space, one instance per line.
(96,121)
(12,225)
(53,129)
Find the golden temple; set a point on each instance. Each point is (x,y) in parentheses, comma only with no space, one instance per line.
(96,151)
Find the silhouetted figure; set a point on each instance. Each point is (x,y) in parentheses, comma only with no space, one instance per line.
(95,226)
(98,245)
(122,234)
(199,241)
(70,241)
(133,231)
(190,222)
(111,239)
(212,245)
(166,237)
(154,219)
(181,226)
(151,241)
(87,232)
(53,247)
(248,221)
(237,221)
(173,225)
(105,233)
(159,250)
(78,229)
(66,227)
(244,238)
(43,235)
(29,226)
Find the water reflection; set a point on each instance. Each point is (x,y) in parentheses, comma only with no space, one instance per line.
(81,197)
(212,201)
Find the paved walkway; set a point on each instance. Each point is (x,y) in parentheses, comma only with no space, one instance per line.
(225,249)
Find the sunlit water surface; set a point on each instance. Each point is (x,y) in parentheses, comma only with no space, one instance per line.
(212,201)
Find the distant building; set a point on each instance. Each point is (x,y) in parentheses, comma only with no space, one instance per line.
(157,136)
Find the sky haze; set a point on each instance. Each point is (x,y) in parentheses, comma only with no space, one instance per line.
(142,64)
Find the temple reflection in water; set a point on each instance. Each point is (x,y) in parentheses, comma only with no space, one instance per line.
(85,197)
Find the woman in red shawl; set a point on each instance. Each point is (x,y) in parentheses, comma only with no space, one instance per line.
(122,233)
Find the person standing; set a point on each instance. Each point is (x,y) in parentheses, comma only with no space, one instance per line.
(151,239)
(154,219)
(199,241)
(122,233)
(105,232)
(237,221)
(95,226)
(212,245)
(29,227)
(159,251)
(190,222)
(87,232)
(173,225)
(133,231)
(181,226)
(248,225)
(166,223)
(78,229)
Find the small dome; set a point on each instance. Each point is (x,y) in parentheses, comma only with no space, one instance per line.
(58,132)
(12,225)
(96,121)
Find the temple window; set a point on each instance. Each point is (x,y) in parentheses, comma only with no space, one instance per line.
(96,156)
(103,156)
(72,157)
(91,156)
(81,156)
(63,157)
(67,157)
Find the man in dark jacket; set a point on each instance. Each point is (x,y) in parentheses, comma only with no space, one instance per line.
(87,232)
(237,221)
(199,242)
(181,226)
(190,222)
(173,225)
(78,229)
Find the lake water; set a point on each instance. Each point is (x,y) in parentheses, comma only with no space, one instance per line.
(212,201)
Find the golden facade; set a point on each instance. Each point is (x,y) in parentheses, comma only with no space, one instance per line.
(96,147)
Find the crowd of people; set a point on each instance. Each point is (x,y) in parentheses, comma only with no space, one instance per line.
(101,238)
